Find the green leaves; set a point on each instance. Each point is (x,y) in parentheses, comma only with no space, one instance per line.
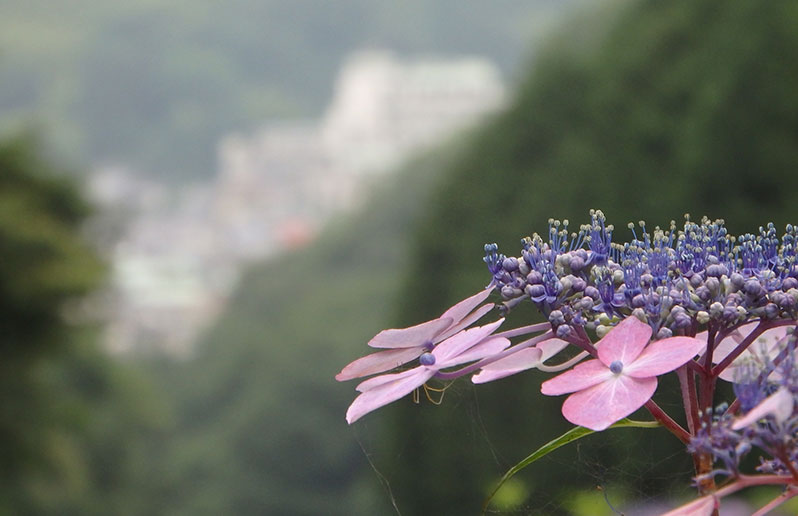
(568,437)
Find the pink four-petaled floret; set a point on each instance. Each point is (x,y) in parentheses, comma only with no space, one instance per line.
(623,378)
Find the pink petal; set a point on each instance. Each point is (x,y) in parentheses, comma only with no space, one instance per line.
(583,376)
(624,342)
(520,361)
(410,337)
(464,307)
(612,400)
(724,347)
(484,349)
(465,323)
(551,347)
(457,344)
(779,405)
(704,506)
(378,362)
(380,395)
(366,385)
(663,356)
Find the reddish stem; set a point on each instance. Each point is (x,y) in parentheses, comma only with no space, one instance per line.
(667,421)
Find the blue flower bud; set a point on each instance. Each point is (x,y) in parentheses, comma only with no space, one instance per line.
(427,359)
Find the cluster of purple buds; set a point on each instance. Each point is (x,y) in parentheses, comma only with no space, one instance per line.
(674,280)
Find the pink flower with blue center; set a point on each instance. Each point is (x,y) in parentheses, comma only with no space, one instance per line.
(406,344)
(465,346)
(623,378)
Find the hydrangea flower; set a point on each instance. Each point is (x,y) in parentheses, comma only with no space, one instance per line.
(466,346)
(406,344)
(623,378)
(738,292)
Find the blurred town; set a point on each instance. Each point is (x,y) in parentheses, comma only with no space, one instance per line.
(179,254)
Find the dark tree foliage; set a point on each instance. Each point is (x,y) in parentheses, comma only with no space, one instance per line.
(650,111)
(71,421)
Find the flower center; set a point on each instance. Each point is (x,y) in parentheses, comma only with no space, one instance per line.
(616,366)
(427,359)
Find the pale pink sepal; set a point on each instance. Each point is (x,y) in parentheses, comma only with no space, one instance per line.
(400,385)
(454,346)
(412,336)
(464,307)
(624,342)
(484,349)
(378,362)
(600,406)
(522,360)
(704,506)
(467,321)
(663,356)
(582,376)
(551,347)
(779,405)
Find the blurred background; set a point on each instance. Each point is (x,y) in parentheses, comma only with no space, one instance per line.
(207,210)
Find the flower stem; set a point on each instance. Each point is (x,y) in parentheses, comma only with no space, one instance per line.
(667,421)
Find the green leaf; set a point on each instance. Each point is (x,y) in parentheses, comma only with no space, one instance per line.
(569,436)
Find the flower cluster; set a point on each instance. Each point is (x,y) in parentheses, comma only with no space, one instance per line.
(671,279)
(698,301)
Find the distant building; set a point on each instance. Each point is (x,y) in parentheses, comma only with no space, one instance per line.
(385,108)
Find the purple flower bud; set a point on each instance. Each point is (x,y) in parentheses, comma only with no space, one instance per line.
(717,270)
(593,292)
(752,287)
(771,311)
(737,280)
(789,283)
(703,293)
(712,284)
(534,278)
(664,333)
(510,264)
(427,359)
(577,263)
(556,317)
(578,285)
(535,291)
(563,331)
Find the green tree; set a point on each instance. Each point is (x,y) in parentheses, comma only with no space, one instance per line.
(70,418)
